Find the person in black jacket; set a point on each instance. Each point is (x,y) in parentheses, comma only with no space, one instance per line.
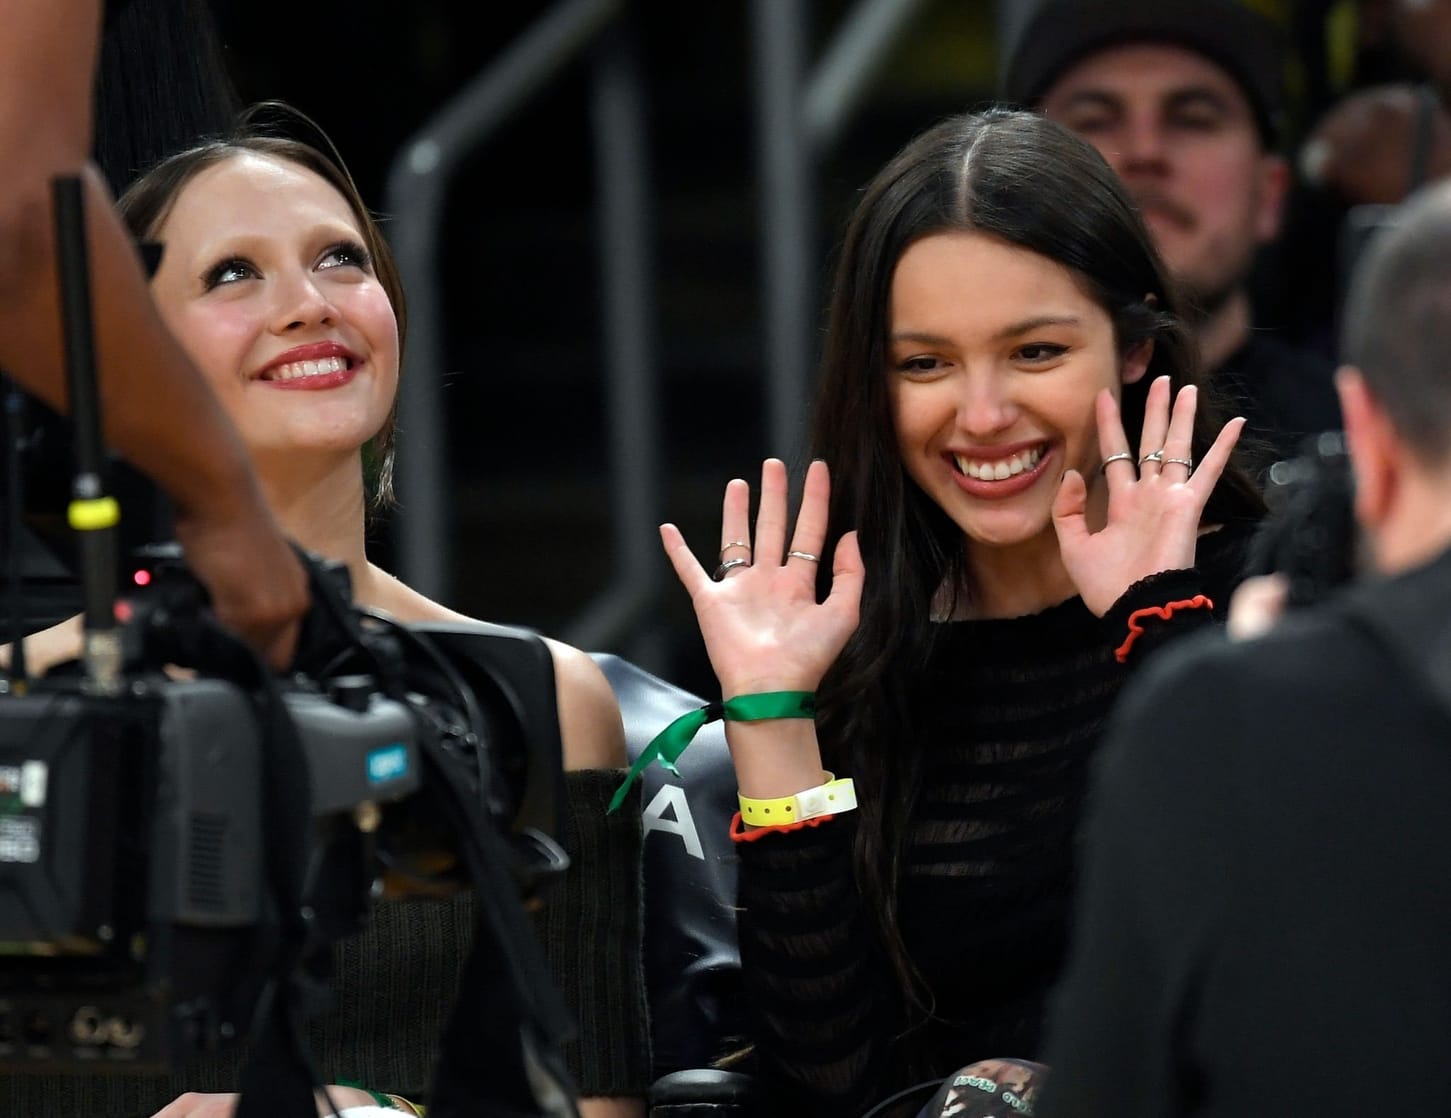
(1262,925)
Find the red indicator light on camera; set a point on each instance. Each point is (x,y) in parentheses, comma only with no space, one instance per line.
(142,578)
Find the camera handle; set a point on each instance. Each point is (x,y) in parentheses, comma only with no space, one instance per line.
(93,511)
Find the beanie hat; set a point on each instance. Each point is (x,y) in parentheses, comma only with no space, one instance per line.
(1247,45)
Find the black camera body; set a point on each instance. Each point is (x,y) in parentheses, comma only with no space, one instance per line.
(137,927)
(132,859)
(1310,535)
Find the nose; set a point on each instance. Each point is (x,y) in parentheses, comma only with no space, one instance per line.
(300,303)
(984,407)
(1142,147)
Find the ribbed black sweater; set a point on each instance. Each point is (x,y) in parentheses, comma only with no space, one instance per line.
(1011,711)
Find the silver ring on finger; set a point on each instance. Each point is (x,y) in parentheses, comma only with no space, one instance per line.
(803,555)
(1187,463)
(1121,456)
(728,566)
(734,543)
(1153,456)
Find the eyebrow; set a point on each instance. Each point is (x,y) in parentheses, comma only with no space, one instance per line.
(1017,329)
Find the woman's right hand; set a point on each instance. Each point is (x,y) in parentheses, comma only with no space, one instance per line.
(257,584)
(763,627)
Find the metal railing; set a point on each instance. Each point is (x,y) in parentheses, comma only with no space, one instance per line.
(800,114)
(417,193)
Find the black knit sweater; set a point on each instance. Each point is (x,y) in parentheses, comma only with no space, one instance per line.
(1011,711)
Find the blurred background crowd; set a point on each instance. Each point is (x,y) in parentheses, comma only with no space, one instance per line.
(630,262)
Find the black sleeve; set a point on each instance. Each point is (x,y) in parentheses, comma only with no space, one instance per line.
(1157,847)
(591,931)
(819,993)
(1156,612)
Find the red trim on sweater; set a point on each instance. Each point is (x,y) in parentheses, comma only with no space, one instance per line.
(1163,613)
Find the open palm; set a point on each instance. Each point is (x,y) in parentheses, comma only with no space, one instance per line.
(1154,508)
(763,628)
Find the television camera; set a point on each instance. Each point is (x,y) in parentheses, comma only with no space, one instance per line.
(1310,535)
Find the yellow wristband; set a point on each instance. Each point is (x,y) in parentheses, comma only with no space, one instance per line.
(830,798)
(87,515)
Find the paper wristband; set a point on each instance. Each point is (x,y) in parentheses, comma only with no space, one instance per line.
(831,798)
(667,746)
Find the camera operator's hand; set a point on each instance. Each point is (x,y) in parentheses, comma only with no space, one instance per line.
(195,1104)
(1257,604)
(257,584)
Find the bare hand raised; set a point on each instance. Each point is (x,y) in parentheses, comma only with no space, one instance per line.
(1154,508)
(763,627)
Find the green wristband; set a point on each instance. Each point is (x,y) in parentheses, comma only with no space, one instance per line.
(667,746)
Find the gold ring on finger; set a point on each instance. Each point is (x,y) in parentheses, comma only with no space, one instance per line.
(734,543)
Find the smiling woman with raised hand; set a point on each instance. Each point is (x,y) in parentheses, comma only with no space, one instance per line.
(1019,493)
(279,285)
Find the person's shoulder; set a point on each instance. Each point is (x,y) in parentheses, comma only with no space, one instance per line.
(396,598)
(1206,707)
(589,713)
(1221,676)
(577,670)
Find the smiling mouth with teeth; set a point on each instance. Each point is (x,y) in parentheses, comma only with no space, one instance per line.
(297,369)
(999,469)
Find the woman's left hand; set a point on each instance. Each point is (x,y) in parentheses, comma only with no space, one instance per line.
(1154,507)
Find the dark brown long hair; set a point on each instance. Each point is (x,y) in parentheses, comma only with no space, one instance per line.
(277,130)
(1031,183)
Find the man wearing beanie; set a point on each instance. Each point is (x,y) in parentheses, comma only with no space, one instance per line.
(1184,100)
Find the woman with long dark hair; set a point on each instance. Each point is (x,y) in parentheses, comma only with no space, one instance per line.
(1019,491)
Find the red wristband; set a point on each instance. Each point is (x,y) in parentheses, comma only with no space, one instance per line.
(1163,613)
(738,832)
